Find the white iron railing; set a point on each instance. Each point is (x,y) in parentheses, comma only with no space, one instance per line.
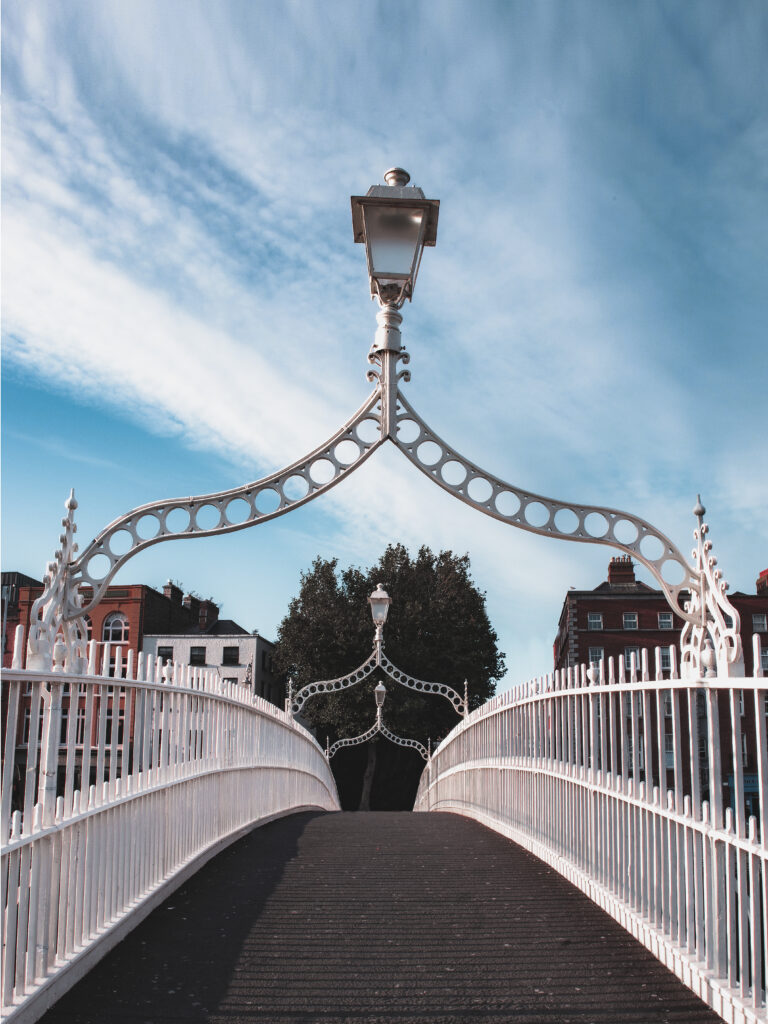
(650,795)
(115,790)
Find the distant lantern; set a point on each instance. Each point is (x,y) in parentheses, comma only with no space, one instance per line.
(379,602)
(380,692)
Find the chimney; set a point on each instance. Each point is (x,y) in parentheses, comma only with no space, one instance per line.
(621,571)
(762,583)
(209,613)
(172,592)
(192,604)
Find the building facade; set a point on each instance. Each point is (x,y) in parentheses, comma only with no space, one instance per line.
(121,618)
(237,655)
(623,616)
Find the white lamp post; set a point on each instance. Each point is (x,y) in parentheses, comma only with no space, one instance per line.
(394,222)
(379,692)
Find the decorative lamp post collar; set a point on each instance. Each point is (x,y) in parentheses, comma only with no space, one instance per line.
(394,221)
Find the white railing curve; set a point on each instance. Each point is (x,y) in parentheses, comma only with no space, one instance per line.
(118,787)
(649,794)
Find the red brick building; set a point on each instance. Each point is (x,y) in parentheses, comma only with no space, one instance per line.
(623,616)
(122,617)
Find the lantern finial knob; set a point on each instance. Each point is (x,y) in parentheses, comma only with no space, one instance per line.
(397,176)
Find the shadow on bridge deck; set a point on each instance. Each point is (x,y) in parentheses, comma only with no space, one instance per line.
(381,917)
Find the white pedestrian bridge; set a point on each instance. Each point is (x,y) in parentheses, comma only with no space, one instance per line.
(631,785)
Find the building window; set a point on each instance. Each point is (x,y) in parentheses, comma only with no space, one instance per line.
(742,710)
(197,656)
(232,680)
(630,620)
(264,660)
(666,659)
(667,703)
(728,621)
(666,620)
(759,624)
(629,654)
(594,620)
(165,654)
(669,750)
(596,655)
(115,630)
(744,751)
(231,656)
(764,659)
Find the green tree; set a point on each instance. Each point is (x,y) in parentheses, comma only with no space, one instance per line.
(437,630)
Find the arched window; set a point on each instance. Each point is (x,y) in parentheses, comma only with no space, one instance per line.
(115,629)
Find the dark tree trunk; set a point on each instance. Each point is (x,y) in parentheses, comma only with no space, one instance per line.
(370,768)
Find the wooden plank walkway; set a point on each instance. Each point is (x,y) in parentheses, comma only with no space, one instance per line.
(380,917)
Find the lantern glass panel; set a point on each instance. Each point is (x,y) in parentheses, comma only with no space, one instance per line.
(393,235)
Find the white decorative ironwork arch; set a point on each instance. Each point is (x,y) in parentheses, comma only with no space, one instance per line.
(697,593)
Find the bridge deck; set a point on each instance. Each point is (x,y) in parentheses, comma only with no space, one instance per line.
(378,917)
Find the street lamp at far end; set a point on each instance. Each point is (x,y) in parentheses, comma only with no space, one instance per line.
(379,602)
(380,692)
(395,221)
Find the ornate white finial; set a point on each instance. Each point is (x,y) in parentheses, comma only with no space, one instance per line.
(397,176)
(710,643)
(57,635)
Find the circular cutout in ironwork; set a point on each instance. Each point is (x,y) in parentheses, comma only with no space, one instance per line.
(267,501)
(566,520)
(407,431)
(295,488)
(148,527)
(177,520)
(596,524)
(507,503)
(652,547)
(479,489)
(120,543)
(429,453)
(346,452)
(207,517)
(322,471)
(453,473)
(625,531)
(98,567)
(536,514)
(238,511)
(368,430)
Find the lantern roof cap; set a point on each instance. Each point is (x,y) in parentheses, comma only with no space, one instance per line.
(395,195)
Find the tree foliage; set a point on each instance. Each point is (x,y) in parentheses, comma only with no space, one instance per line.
(437,630)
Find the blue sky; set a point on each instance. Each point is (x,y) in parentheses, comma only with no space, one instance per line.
(184,309)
